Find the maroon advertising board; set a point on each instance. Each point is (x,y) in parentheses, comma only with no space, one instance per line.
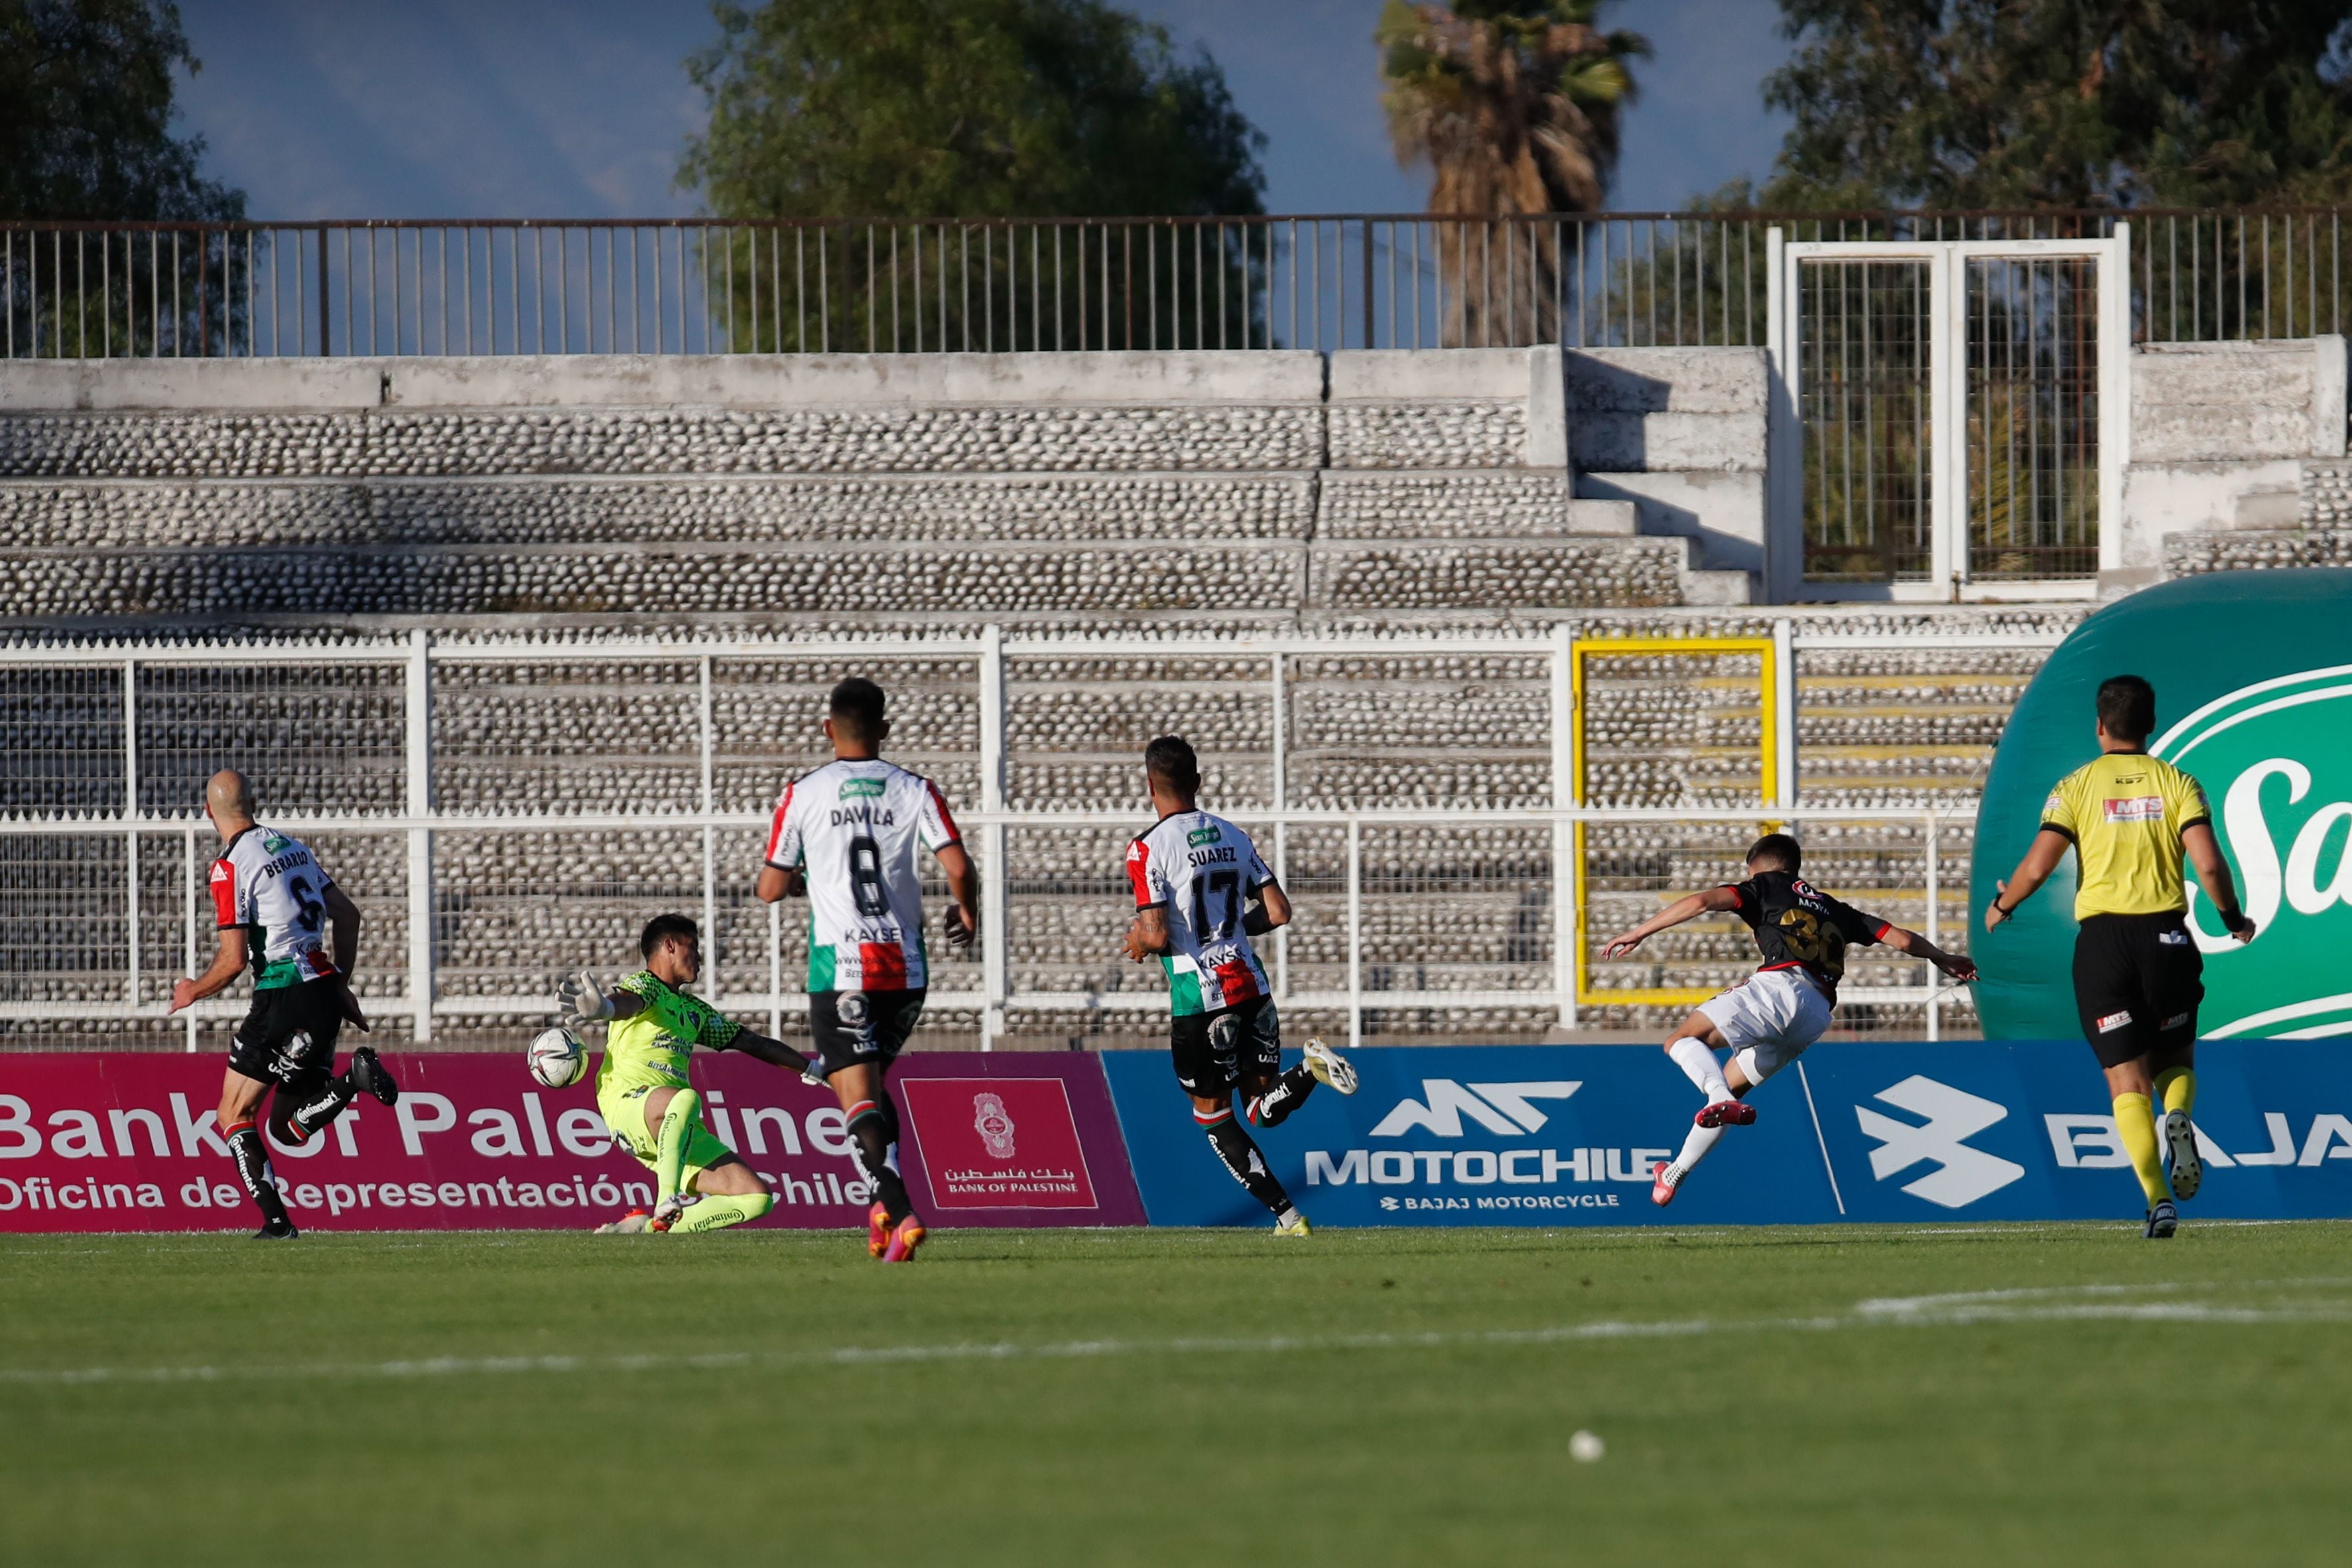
(106,1141)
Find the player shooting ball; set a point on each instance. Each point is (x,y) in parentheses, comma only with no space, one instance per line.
(1767,1019)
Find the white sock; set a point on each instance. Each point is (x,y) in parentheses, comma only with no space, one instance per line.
(1698,1064)
(1697,1146)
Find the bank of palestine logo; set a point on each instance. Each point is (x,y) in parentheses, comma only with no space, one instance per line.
(2275,759)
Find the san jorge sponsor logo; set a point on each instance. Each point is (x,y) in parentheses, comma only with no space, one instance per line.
(2254,678)
(2276,760)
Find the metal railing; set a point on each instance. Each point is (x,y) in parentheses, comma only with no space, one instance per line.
(79,290)
(507,809)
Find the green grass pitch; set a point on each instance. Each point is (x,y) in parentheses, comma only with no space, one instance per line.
(1974,1395)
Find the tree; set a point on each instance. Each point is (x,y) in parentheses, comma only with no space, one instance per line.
(2007,103)
(1516,110)
(86,91)
(926,110)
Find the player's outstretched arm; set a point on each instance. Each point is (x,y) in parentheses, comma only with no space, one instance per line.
(2041,858)
(590,1001)
(963,892)
(1689,907)
(1147,934)
(778,883)
(1959,966)
(2205,853)
(344,922)
(760,1047)
(228,962)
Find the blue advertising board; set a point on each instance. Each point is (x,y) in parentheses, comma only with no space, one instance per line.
(1553,1135)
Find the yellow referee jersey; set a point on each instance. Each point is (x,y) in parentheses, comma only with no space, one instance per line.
(2125,814)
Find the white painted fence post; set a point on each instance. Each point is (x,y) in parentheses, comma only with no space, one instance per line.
(1564,868)
(420,837)
(711,986)
(130,817)
(995,904)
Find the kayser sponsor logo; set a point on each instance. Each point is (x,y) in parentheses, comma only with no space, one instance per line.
(1519,1175)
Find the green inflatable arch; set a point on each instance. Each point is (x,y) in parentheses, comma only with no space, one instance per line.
(2254,682)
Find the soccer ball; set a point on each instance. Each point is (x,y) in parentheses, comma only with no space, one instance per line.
(557,1059)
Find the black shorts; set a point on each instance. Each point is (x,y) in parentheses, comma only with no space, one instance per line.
(1214,1051)
(288,1035)
(2137,982)
(849,1026)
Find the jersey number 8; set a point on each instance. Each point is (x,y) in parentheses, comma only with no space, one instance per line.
(866,878)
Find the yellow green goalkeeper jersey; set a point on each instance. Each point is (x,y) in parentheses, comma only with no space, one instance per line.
(649,1050)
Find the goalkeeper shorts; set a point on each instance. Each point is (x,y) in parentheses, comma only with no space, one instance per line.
(624,1113)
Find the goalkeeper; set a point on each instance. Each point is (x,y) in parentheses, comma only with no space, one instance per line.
(642,1090)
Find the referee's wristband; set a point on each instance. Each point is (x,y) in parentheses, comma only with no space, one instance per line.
(2002,912)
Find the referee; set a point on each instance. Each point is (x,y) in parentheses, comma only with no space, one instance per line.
(2137,974)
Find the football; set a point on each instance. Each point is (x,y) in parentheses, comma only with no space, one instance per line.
(557,1058)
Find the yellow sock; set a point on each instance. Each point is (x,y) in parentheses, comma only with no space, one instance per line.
(2136,1123)
(2177,1087)
(717,1212)
(677,1122)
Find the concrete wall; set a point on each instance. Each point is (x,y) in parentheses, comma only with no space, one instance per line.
(2219,437)
(1680,433)
(1186,484)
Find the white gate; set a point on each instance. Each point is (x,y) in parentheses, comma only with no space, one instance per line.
(1950,419)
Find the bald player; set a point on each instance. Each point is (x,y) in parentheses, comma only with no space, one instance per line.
(280,911)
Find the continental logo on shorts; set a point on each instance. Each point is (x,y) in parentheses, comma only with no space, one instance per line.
(2136,808)
(2114,1021)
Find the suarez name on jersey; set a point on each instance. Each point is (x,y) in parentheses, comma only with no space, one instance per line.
(854,828)
(270,885)
(1202,870)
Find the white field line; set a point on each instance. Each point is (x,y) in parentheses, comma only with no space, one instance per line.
(2091,1303)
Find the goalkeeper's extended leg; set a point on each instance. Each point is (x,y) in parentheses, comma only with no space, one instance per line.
(677,1124)
(717,1211)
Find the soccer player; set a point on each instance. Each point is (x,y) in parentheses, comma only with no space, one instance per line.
(1767,1019)
(642,1091)
(279,911)
(1193,876)
(847,835)
(2138,974)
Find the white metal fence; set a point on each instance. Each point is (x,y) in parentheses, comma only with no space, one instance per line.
(505,810)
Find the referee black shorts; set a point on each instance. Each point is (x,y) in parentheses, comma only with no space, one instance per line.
(2137,982)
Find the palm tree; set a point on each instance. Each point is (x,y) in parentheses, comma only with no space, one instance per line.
(1516,109)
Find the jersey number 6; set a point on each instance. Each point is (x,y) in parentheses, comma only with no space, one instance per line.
(313,908)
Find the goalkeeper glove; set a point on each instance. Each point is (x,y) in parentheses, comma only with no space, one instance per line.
(584,997)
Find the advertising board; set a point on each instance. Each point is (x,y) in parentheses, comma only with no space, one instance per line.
(1560,1135)
(93,1142)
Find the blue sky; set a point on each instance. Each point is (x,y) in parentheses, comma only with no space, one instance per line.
(579,108)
